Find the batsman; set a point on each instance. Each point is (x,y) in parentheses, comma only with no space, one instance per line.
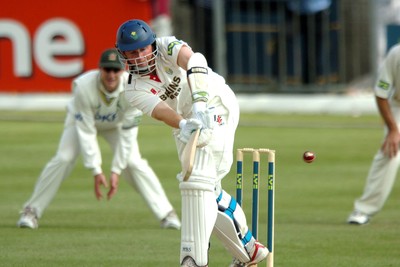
(173,84)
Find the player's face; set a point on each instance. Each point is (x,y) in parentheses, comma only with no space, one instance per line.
(141,58)
(110,78)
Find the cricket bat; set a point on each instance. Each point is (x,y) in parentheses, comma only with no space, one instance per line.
(188,154)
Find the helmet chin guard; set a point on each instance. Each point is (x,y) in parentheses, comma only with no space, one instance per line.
(133,35)
(140,65)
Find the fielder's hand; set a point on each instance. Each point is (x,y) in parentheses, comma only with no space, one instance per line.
(203,114)
(187,128)
(114,179)
(99,179)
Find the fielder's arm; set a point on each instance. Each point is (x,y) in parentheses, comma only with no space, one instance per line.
(391,143)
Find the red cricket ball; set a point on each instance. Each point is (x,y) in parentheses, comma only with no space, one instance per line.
(309,156)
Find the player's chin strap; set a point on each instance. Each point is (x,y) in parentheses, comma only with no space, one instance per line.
(197,76)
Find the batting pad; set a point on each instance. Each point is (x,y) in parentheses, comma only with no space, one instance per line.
(225,231)
(231,226)
(199,213)
(204,170)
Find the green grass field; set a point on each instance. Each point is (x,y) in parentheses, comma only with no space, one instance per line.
(312,200)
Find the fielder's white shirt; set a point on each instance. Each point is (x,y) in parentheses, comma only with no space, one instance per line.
(95,109)
(170,85)
(388,82)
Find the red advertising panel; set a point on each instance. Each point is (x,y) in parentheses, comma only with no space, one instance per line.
(45,44)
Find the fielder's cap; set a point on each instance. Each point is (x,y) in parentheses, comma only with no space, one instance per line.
(110,59)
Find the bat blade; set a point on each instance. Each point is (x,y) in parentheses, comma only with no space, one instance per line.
(188,154)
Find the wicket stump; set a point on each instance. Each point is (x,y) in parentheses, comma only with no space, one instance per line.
(255,193)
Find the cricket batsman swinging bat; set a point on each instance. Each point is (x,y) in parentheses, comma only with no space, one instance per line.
(188,155)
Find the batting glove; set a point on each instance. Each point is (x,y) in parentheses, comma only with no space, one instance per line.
(187,128)
(203,114)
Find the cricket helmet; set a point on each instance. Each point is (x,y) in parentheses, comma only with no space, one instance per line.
(133,35)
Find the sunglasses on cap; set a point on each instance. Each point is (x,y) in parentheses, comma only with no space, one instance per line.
(115,70)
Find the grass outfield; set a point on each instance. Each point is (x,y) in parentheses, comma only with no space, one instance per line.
(312,200)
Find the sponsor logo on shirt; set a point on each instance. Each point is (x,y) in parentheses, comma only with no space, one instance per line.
(172,45)
(106,117)
(172,90)
(383,85)
(78,117)
(168,71)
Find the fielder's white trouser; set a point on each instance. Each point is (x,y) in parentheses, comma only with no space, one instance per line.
(200,212)
(138,172)
(379,183)
(380,179)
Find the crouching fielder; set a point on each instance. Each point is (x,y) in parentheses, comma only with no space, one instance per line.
(171,83)
(98,108)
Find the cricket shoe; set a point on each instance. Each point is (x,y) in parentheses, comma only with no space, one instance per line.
(171,221)
(358,218)
(28,219)
(258,254)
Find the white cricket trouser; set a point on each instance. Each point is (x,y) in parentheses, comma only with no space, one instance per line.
(138,172)
(380,179)
(379,183)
